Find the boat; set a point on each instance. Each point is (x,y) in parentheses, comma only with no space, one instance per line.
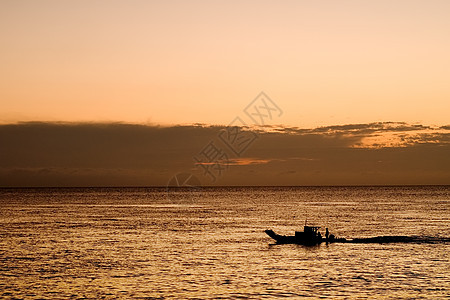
(310,236)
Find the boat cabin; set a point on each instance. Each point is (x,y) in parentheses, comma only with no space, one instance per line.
(310,233)
(311,229)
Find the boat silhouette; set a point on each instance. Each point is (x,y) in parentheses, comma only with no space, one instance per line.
(309,236)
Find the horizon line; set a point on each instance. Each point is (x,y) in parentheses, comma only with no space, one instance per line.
(222,186)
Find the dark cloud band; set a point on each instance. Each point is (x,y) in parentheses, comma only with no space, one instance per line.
(114,154)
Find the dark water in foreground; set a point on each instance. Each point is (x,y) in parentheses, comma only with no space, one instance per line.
(145,244)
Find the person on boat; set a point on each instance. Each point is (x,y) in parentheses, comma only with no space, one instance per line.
(327,233)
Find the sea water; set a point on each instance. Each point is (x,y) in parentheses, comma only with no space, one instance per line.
(151,243)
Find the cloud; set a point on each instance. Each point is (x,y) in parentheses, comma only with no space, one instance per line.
(248,161)
(115,154)
(357,129)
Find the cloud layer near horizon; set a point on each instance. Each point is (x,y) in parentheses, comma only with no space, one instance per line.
(85,154)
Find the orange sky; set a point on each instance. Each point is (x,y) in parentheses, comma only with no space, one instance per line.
(180,62)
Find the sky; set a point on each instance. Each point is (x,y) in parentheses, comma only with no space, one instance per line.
(164,66)
(184,62)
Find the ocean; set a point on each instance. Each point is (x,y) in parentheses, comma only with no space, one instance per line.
(209,243)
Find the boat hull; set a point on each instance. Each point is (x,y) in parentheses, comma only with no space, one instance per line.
(294,239)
